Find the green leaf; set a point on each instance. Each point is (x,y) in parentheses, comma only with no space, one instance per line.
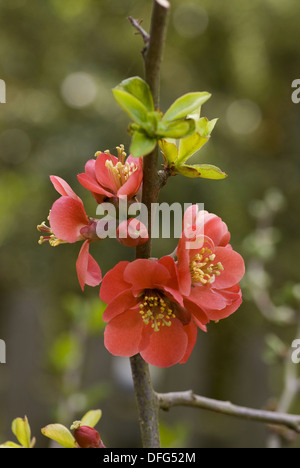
(139,89)
(130,104)
(91,418)
(185,105)
(141,145)
(190,145)
(21,429)
(60,434)
(10,445)
(205,126)
(205,171)
(169,150)
(177,129)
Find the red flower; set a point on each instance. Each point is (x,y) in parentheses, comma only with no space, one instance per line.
(109,177)
(146,314)
(69,223)
(209,269)
(132,233)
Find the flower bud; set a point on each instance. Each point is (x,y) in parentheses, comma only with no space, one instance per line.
(132,233)
(87,437)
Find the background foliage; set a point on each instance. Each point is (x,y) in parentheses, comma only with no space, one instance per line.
(60,60)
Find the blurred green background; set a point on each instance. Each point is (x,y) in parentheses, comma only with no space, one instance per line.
(60,59)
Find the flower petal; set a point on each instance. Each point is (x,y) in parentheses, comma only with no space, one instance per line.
(133,183)
(103,174)
(90,184)
(122,303)
(227,311)
(63,188)
(216,229)
(191,331)
(197,312)
(113,283)
(146,274)
(88,270)
(67,218)
(207,297)
(123,333)
(167,346)
(234,268)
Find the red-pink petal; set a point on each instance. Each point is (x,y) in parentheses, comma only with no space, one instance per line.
(90,184)
(227,311)
(207,297)
(63,188)
(123,334)
(67,218)
(191,331)
(132,185)
(119,305)
(113,283)
(197,312)
(234,268)
(103,174)
(88,270)
(167,346)
(146,274)
(93,274)
(217,230)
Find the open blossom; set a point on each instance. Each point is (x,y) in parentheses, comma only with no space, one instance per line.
(209,269)
(155,307)
(146,313)
(69,223)
(109,176)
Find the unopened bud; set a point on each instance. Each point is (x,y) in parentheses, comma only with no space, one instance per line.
(132,233)
(87,437)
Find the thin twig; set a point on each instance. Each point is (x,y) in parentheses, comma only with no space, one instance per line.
(188,398)
(146,37)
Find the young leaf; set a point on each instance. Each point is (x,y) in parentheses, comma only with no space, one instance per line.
(20,427)
(190,145)
(205,171)
(185,105)
(169,150)
(205,126)
(91,418)
(60,434)
(10,445)
(130,104)
(141,145)
(177,129)
(139,89)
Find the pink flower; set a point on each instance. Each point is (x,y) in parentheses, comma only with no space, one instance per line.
(209,269)
(108,176)
(146,313)
(132,233)
(69,223)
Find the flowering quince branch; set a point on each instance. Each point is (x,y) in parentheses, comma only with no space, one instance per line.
(155,307)
(189,398)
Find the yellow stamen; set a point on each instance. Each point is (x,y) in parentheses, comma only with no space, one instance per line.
(154,310)
(202,268)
